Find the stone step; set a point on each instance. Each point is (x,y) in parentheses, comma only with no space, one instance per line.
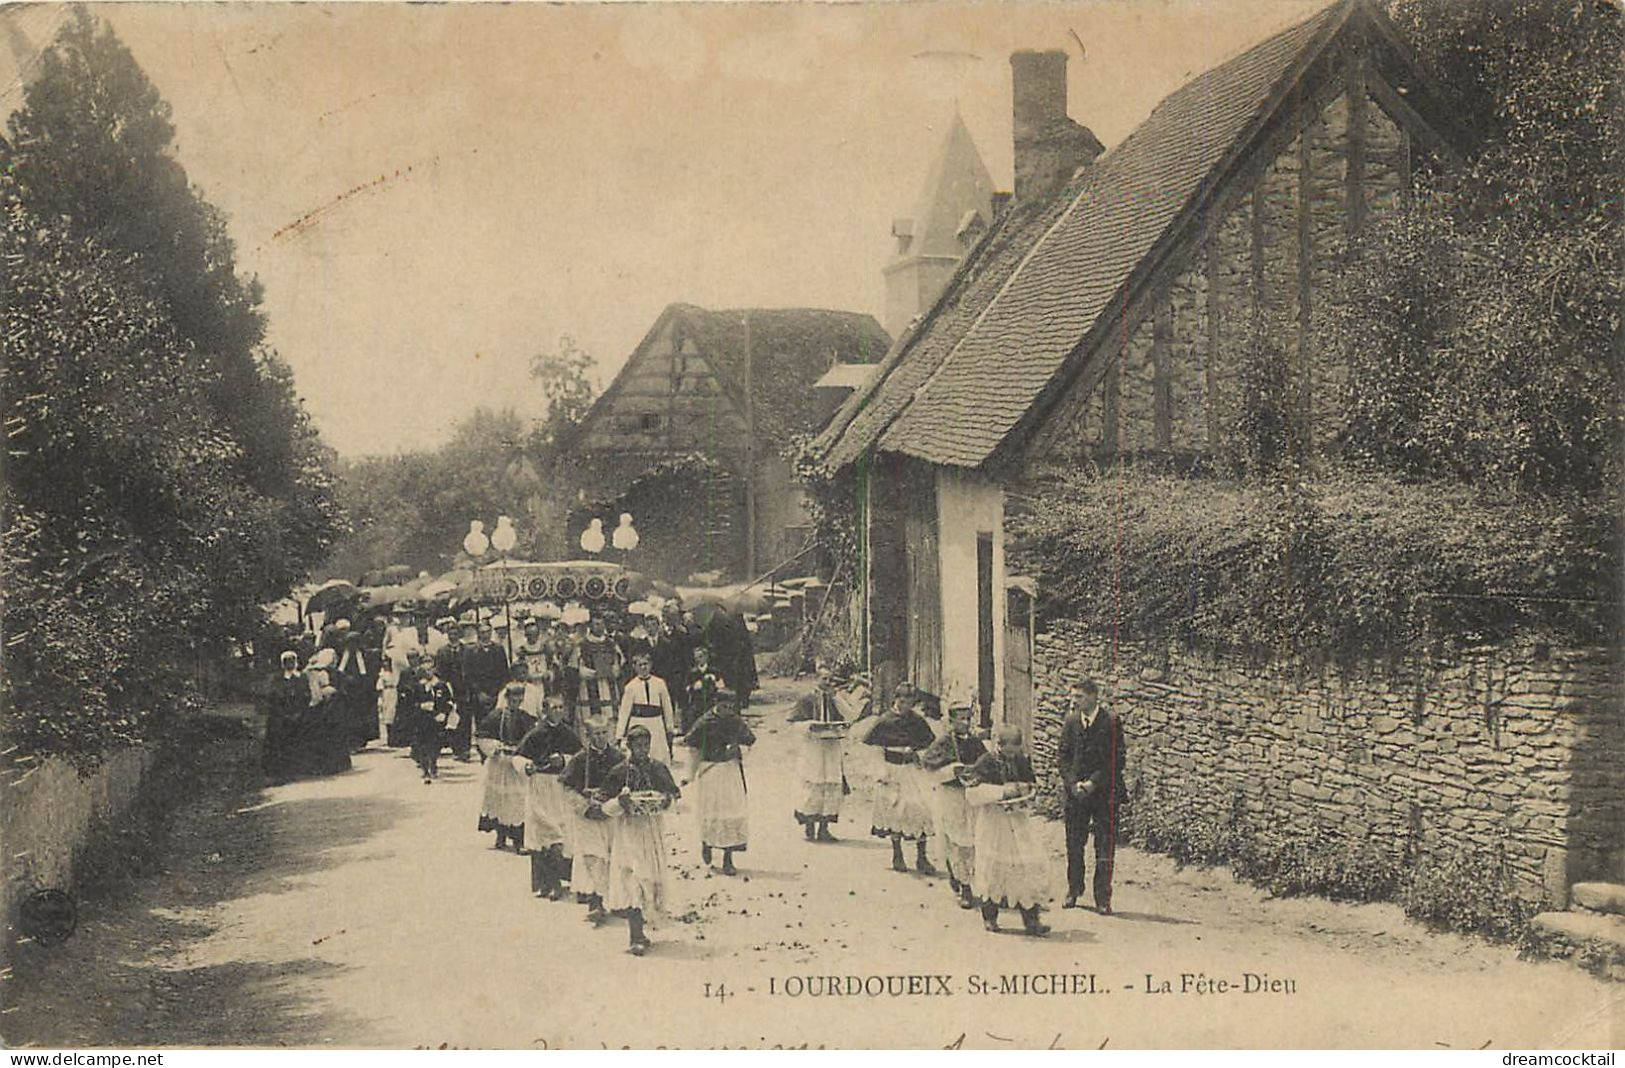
(1599,897)
(1579,927)
(1594,939)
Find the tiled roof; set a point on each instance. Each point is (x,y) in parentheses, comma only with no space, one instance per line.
(953,390)
(791,348)
(916,357)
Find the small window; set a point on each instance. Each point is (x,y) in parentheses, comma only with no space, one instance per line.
(649,421)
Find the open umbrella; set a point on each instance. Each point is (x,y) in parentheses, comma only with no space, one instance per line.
(734,598)
(331,594)
(436,590)
(639,586)
(382,595)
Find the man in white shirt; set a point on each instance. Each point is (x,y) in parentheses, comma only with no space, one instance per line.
(646,700)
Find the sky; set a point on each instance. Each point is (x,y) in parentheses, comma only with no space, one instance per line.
(433,194)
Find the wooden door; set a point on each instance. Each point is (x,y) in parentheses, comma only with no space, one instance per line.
(1018,660)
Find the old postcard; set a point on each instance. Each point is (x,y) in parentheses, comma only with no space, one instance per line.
(962,524)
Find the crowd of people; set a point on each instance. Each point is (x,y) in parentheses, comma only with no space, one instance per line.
(588,735)
(400,678)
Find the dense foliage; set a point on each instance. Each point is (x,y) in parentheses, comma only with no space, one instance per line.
(1331,568)
(1475,487)
(683,509)
(1463,892)
(565,377)
(1482,327)
(162,479)
(832,504)
(414,507)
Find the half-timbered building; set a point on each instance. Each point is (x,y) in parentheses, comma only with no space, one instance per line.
(1108,312)
(724,393)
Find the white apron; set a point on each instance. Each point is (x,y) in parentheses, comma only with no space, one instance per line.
(956,824)
(822,763)
(503,802)
(589,843)
(720,791)
(1011,868)
(902,802)
(547,821)
(637,862)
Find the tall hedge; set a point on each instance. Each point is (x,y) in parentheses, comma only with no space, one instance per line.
(1344,566)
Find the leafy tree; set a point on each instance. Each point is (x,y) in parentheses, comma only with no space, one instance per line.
(1482,327)
(414,507)
(163,480)
(90,149)
(565,377)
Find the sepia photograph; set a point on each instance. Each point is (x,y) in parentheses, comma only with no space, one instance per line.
(932,524)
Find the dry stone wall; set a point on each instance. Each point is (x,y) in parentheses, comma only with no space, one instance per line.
(1512,747)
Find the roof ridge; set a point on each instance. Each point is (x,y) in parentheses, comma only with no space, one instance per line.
(1245,89)
(1084,185)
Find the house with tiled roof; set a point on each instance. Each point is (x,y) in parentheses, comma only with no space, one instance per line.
(730,389)
(1105,312)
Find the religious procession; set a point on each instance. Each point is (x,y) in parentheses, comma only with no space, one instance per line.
(1002,497)
(599,733)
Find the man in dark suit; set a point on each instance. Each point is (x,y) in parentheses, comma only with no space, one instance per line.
(451,664)
(485,673)
(1091,768)
(673,657)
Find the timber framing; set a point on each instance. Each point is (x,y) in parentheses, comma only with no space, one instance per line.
(1359,40)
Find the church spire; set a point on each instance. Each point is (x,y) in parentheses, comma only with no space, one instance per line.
(955,203)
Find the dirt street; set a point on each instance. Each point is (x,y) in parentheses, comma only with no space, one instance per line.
(364,910)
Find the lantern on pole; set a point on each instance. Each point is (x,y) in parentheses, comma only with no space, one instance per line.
(475,542)
(625,537)
(592,539)
(504,537)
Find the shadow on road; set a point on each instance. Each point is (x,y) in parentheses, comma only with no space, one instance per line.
(123,979)
(273,845)
(1149,917)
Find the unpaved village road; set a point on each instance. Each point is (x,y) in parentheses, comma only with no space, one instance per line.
(364,910)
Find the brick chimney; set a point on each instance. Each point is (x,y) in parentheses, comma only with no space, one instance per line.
(1049,146)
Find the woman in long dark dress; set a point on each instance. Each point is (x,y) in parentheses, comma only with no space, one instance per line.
(285,706)
(325,737)
(733,653)
(356,679)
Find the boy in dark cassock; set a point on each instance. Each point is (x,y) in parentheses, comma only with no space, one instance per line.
(719,780)
(902,801)
(638,885)
(584,777)
(958,749)
(701,688)
(545,749)
(823,759)
(429,703)
(502,808)
(1010,858)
